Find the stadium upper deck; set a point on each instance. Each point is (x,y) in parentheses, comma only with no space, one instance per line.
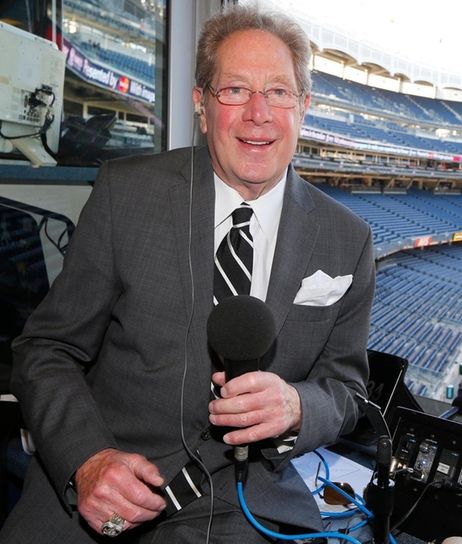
(373,135)
(365,113)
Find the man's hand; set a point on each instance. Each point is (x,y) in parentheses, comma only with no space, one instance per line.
(260,404)
(114,481)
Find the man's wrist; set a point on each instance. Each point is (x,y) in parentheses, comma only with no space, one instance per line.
(295,409)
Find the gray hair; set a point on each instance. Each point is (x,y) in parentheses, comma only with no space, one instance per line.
(237,18)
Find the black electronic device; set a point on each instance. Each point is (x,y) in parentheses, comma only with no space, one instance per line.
(427,468)
(387,390)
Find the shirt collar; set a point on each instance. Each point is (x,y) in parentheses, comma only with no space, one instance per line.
(267,208)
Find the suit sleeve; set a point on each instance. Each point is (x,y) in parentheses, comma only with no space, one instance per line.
(60,343)
(327,396)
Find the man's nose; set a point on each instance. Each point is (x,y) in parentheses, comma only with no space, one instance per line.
(257,109)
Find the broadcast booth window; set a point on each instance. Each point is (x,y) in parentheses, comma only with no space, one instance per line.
(113,98)
(81,82)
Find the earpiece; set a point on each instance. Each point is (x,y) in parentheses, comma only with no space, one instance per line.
(198,109)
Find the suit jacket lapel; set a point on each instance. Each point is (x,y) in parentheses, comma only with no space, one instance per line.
(297,235)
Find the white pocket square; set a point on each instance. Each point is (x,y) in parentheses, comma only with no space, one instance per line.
(320,289)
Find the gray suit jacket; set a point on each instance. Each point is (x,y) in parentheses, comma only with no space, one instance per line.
(100,362)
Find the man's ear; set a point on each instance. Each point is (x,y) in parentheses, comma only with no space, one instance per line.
(306,105)
(199,111)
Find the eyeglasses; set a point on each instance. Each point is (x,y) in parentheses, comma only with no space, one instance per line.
(335,493)
(332,496)
(276,97)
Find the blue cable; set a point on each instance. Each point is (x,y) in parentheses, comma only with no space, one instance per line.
(357,503)
(339,515)
(326,470)
(336,515)
(281,536)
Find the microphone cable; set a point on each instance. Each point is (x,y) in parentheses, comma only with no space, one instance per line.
(325,464)
(282,536)
(358,501)
(194,456)
(340,534)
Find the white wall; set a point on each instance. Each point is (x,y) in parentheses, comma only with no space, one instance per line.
(186,18)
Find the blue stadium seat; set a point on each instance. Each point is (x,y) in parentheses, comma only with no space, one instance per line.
(119,62)
(417,312)
(423,110)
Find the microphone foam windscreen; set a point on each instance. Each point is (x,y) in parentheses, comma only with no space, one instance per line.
(241,328)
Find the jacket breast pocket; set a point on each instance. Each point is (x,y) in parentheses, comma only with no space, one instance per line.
(302,337)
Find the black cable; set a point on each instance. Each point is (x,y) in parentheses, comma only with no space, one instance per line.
(193,455)
(44,224)
(407,515)
(43,135)
(49,119)
(19,137)
(63,249)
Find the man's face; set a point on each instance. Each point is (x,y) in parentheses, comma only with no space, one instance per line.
(252,144)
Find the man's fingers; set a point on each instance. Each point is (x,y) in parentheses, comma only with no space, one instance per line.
(140,495)
(135,503)
(133,512)
(250,382)
(117,482)
(240,420)
(261,403)
(146,471)
(249,435)
(219,378)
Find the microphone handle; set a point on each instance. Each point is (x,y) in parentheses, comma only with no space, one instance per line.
(233,369)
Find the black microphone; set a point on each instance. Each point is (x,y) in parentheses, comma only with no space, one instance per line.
(383,460)
(379,493)
(241,329)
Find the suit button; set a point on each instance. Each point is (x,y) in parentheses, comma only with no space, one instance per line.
(206,434)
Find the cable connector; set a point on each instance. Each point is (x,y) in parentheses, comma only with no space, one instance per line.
(43,97)
(241,463)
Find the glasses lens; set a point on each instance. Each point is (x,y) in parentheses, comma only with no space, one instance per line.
(234,96)
(280,98)
(331,496)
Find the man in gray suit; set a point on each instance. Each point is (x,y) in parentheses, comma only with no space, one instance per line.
(113,369)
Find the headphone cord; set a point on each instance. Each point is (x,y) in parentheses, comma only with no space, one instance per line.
(194,455)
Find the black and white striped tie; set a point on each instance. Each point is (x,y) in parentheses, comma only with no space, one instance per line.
(234,257)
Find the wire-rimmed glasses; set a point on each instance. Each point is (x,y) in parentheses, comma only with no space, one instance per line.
(276,97)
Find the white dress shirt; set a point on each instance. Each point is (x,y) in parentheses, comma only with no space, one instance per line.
(264,226)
